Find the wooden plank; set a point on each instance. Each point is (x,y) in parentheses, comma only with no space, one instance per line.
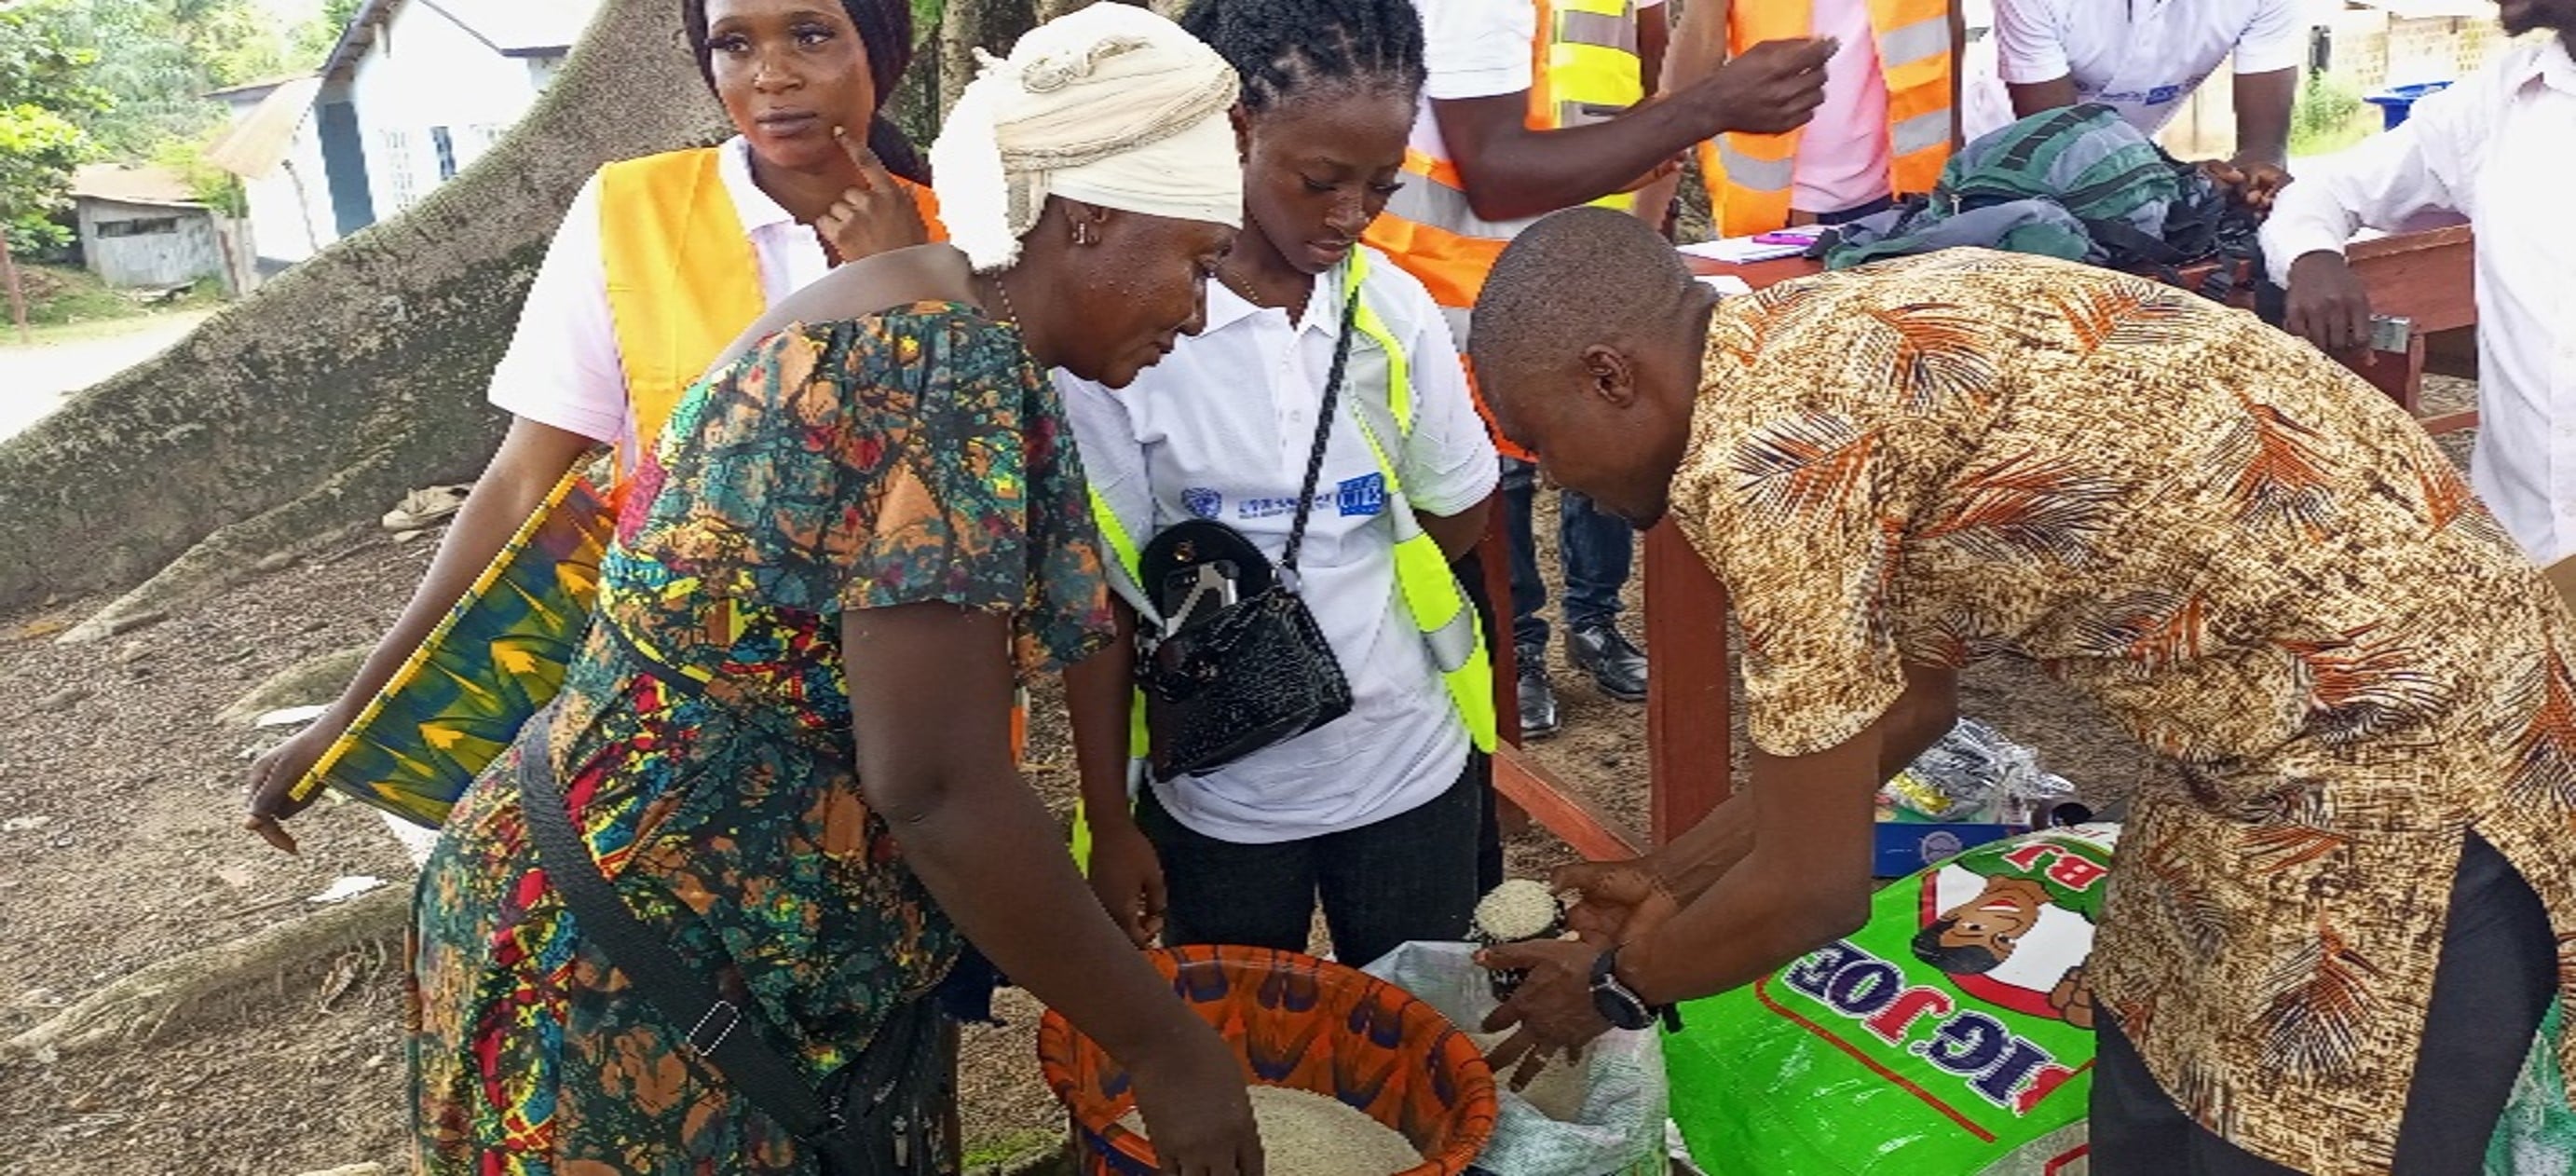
(1688,734)
(2430,277)
(1556,806)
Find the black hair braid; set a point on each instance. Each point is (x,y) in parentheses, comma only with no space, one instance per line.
(885,31)
(1284,47)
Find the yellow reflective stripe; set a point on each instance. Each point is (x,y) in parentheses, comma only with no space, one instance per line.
(1399,371)
(1594,74)
(1128,563)
(1432,595)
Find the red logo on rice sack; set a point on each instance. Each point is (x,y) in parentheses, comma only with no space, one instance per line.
(2002,1067)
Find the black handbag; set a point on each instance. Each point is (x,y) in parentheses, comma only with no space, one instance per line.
(883,1114)
(1237,663)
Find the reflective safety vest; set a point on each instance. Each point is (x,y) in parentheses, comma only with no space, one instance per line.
(1432,595)
(682,281)
(1584,69)
(1750,176)
(682,278)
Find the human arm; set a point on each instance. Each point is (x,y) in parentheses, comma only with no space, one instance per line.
(1125,872)
(2030,55)
(1685,869)
(532,458)
(2381,183)
(1512,171)
(1457,534)
(875,214)
(563,385)
(1831,705)
(2263,102)
(930,694)
(1654,39)
(1774,873)
(1802,882)
(2267,61)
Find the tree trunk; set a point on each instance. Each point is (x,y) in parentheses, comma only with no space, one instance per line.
(360,373)
(968,25)
(351,378)
(17,293)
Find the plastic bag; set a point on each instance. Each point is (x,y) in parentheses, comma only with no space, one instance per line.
(2537,1136)
(1974,775)
(1925,1044)
(1620,1130)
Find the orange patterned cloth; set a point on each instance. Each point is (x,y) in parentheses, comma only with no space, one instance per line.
(2257,564)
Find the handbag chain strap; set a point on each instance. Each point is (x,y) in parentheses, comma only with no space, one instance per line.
(1323,434)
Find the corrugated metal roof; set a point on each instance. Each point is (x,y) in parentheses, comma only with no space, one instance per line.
(133,185)
(253,146)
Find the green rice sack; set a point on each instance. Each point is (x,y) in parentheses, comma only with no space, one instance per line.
(1951,1036)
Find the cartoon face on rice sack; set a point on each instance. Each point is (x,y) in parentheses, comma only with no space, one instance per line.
(2017,893)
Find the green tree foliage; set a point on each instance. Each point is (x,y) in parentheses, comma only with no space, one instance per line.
(2329,117)
(157,59)
(42,97)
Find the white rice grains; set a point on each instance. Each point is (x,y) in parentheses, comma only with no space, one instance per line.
(1309,1134)
(1516,910)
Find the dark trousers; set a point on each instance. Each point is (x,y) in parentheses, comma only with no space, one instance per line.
(1594,546)
(2497,972)
(1411,876)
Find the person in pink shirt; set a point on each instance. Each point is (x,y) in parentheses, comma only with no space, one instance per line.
(1844,164)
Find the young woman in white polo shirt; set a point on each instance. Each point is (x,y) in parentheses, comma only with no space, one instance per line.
(1376,813)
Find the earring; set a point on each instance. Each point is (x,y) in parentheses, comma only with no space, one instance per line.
(1081,233)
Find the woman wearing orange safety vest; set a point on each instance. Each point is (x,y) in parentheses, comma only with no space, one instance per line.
(659,263)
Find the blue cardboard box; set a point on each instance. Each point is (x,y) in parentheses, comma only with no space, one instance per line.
(1907,846)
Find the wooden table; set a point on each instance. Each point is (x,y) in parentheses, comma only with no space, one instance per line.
(2424,276)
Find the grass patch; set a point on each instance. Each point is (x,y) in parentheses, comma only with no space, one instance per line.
(60,296)
(1009,1147)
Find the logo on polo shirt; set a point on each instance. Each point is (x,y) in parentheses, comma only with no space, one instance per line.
(1203,501)
(1362,495)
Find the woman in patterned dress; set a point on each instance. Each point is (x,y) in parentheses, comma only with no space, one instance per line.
(786,741)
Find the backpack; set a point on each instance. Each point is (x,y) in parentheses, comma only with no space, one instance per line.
(2077,183)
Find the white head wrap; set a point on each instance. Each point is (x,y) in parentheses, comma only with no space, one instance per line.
(1110,105)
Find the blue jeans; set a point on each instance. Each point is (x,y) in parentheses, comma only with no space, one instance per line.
(1593,546)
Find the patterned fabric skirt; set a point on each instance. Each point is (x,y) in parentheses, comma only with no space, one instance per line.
(531,1055)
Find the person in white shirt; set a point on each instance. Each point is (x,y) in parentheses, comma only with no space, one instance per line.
(1376,812)
(789,75)
(2500,148)
(2143,57)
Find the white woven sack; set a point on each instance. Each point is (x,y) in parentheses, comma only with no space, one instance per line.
(1620,1131)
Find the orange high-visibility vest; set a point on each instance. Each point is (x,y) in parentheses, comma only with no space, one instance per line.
(682,277)
(682,282)
(1749,176)
(1584,70)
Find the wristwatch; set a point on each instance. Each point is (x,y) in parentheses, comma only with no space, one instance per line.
(1619,1004)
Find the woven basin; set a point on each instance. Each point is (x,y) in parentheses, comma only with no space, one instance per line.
(1300,1022)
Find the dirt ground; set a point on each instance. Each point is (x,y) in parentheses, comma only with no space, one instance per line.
(118,847)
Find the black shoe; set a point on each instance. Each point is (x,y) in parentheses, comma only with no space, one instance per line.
(1537,698)
(1605,653)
